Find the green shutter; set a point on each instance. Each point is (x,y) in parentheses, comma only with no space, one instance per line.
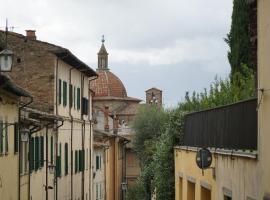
(1,137)
(58,166)
(97,162)
(36,153)
(83,161)
(60,157)
(80,160)
(78,98)
(16,138)
(31,154)
(51,149)
(42,151)
(66,158)
(70,95)
(74,97)
(59,91)
(64,93)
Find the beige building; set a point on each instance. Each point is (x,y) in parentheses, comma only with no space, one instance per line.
(10,138)
(114,112)
(61,90)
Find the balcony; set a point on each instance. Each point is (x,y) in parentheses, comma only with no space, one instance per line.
(227,127)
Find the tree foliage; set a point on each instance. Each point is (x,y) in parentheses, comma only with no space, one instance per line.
(239,38)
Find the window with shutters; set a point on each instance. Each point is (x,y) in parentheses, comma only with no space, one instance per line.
(97,163)
(80,160)
(1,137)
(70,95)
(59,161)
(6,137)
(76,161)
(51,149)
(85,106)
(16,138)
(37,149)
(59,91)
(41,151)
(64,93)
(78,98)
(31,154)
(74,97)
(66,158)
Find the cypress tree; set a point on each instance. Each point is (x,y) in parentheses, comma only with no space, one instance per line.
(239,38)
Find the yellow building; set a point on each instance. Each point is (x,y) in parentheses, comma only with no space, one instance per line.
(9,138)
(234,174)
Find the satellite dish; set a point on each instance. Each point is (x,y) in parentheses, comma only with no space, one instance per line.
(204,158)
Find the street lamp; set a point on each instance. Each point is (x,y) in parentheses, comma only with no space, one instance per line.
(6,60)
(6,56)
(51,168)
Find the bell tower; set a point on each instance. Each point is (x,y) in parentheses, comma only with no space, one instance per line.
(154,97)
(103,57)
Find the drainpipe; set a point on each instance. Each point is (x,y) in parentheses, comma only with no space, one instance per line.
(71,134)
(91,138)
(83,134)
(19,122)
(124,172)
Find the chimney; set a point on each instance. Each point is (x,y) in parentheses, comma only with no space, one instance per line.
(106,119)
(31,34)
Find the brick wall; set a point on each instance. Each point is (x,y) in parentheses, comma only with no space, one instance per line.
(33,69)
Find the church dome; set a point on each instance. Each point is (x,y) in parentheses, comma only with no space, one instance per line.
(108,85)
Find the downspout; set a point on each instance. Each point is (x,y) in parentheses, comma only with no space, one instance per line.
(71,133)
(56,137)
(19,164)
(91,137)
(83,134)
(124,171)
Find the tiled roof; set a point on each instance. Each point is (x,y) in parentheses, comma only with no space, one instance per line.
(108,85)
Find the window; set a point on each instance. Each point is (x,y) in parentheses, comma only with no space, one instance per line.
(51,149)
(41,151)
(64,93)
(32,154)
(74,97)
(180,188)
(16,138)
(190,190)
(59,91)
(76,162)
(1,136)
(227,193)
(70,95)
(97,163)
(66,158)
(78,98)
(85,106)
(58,162)
(205,194)
(36,153)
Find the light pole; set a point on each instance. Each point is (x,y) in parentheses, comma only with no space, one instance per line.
(6,56)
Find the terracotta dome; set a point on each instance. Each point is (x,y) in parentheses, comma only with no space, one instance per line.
(108,85)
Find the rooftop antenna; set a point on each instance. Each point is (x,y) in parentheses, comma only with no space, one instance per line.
(6,31)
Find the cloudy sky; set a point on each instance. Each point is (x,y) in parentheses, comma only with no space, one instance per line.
(174,45)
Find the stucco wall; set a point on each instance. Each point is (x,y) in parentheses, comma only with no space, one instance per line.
(9,162)
(264,83)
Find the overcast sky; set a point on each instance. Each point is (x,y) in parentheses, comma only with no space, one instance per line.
(174,45)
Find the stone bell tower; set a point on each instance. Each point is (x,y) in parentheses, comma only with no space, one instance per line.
(154,96)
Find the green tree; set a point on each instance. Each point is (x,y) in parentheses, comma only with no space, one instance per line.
(239,39)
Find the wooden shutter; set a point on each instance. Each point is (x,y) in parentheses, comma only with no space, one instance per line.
(64,93)
(78,98)
(66,158)
(16,138)
(80,160)
(85,106)
(31,154)
(1,137)
(70,95)
(97,162)
(59,91)
(41,151)
(36,153)
(51,149)
(60,157)
(58,166)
